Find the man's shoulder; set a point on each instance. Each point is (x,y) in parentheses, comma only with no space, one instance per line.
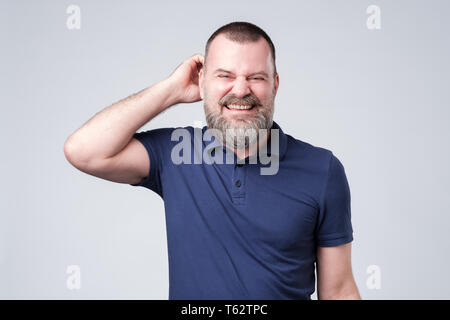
(315,159)
(307,149)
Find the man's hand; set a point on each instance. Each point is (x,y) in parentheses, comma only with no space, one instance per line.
(185,79)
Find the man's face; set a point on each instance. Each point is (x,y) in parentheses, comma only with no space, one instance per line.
(238,74)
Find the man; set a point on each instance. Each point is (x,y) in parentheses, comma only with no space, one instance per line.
(232,232)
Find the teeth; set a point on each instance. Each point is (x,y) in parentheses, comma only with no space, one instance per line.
(240,107)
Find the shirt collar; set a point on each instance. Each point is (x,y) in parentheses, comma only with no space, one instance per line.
(280,153)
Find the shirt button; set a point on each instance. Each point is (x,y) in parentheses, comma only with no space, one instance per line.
(238,183)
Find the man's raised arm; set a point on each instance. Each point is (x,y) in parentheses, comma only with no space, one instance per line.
(104,146)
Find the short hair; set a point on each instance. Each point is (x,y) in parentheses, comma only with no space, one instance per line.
(242,32)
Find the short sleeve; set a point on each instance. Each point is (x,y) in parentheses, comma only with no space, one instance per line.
(155,141)
(334,221)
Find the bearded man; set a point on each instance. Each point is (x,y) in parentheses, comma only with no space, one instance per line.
(232,232)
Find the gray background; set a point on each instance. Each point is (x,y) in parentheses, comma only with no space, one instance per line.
(378,99)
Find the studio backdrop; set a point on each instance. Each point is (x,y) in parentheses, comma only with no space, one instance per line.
(366,79)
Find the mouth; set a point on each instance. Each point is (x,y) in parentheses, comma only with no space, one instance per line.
(240,108)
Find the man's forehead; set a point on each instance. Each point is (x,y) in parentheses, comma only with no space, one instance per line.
(228,54)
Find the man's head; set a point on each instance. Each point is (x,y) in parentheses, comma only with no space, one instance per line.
(239,70)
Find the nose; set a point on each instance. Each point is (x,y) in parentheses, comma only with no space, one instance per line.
(240,87)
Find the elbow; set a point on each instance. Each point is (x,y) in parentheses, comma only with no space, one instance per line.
(68,150)
(74,154)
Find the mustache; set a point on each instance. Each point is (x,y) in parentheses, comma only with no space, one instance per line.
(249,100)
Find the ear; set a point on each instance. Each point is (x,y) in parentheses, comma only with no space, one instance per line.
(201,78)
(277,83)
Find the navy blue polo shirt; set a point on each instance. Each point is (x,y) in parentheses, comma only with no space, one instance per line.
(233,233)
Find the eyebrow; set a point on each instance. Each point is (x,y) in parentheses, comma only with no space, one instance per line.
(252,74)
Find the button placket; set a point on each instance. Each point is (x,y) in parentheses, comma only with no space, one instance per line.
(238,183)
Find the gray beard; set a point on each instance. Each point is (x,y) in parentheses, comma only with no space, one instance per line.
(241,133)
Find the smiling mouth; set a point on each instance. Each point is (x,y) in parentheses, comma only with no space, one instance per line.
(239,107)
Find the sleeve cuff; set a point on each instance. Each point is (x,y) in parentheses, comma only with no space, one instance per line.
(333,240)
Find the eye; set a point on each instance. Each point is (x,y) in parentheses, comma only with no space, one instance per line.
(258,78)
(223,76)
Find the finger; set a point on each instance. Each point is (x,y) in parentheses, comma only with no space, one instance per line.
(198,58)
(200,62)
